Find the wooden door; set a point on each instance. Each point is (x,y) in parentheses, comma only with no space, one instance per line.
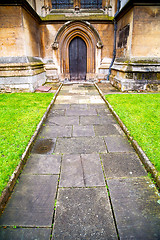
(77,59)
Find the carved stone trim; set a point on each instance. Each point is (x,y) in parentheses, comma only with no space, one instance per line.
(55,45)
(99,44)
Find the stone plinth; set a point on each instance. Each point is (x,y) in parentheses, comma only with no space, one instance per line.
(135,76)
(22,73)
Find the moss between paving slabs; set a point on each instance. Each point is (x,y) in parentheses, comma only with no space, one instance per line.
(141,114)
(20,114)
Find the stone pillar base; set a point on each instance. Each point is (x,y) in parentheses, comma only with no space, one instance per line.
(21,73)
(26,84)
(51,72)
(136,76)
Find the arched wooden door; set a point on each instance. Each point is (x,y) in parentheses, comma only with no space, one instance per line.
(77,59)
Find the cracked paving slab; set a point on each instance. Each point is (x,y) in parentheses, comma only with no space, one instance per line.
(92,168)
(81,171)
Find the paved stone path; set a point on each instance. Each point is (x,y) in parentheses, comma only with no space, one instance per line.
(83,179)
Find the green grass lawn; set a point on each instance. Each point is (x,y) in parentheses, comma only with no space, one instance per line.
(20,113)
(141,114)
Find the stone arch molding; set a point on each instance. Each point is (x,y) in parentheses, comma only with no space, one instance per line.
(63,38)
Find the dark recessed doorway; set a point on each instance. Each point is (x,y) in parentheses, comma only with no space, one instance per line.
(77,59)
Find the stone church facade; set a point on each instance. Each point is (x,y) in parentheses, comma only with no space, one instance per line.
(80,40)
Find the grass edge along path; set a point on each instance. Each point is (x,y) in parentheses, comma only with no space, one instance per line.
(20,114)
(141,114)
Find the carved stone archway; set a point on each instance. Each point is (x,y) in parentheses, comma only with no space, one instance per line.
(63,38)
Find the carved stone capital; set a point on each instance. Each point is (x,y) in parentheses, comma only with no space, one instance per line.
(99,45)
(55,45)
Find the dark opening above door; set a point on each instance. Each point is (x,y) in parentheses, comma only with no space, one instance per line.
(77,59)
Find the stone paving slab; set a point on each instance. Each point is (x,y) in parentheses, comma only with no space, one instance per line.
(72,172)
(93,174)
(43,164)
(82,99)
(93,120)
(79,106)
(60,106)
(83,213)
(80,112)
(62,120)
(32,203)
(80,145)
(97,106)
(106,129)
(93,99)
(66,98)
(136,208)
(103,112)
(118,144)
(60,101)
(57,112)
(107,88)
(44,146)
(122,165)
(81,171)
(52,132)
(72,91)
(83,131)
(25,233)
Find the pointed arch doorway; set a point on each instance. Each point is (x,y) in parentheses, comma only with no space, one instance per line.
(77,59)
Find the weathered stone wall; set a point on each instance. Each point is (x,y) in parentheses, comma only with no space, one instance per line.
(48,34)
(11,32)
(31,35)
(143,38)
(146,33)
(20,34)
(19,48)
(137,64)
(106,32)
(124,36)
